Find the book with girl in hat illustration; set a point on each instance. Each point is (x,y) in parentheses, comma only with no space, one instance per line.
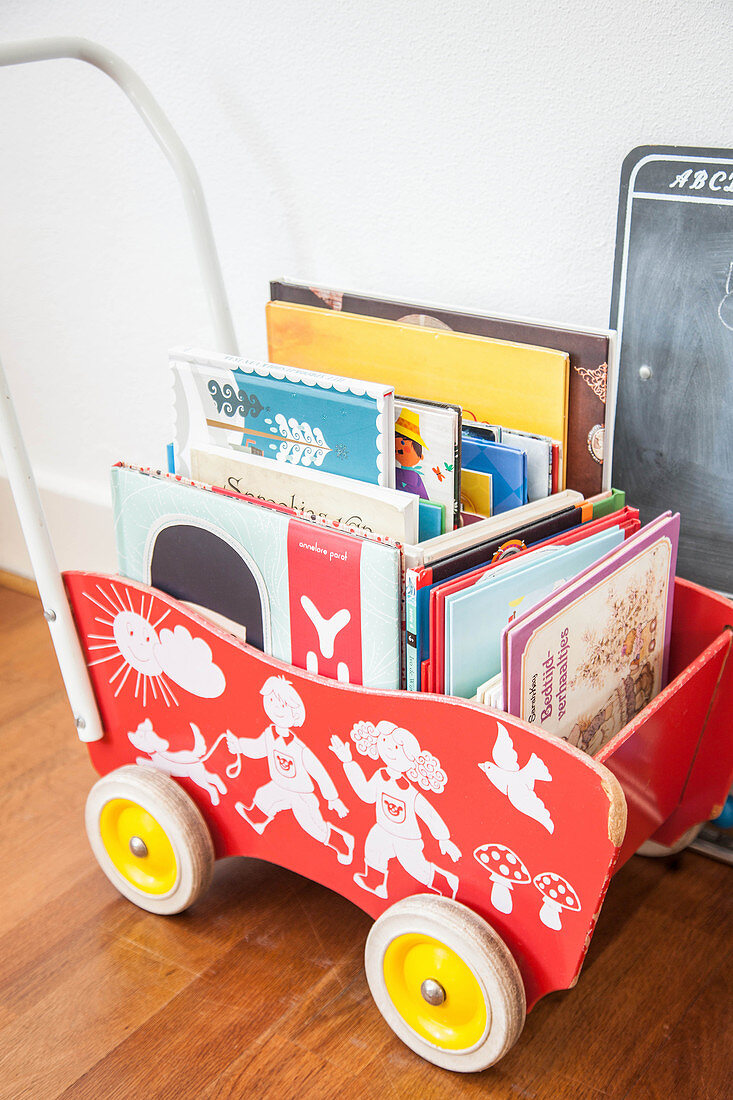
(427,453)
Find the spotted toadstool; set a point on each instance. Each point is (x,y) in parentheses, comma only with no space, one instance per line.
(557,894)
(506,870)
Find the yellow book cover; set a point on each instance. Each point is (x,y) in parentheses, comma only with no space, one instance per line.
(516,385)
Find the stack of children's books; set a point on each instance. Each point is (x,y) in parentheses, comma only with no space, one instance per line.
(411,497)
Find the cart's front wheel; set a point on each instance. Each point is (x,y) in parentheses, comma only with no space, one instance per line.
(445,982)
(149,838)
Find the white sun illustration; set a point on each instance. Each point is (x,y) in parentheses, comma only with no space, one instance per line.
(134,639)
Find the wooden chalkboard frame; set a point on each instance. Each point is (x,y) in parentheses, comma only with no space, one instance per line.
(673,425)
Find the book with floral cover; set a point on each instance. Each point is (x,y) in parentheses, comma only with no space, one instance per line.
(586,659)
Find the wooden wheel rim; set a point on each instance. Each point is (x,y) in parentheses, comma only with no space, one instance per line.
(488,962)
(136,803)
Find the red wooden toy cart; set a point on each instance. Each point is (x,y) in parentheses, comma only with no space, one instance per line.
(482,847)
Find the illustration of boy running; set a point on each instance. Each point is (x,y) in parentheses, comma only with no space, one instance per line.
(293,769)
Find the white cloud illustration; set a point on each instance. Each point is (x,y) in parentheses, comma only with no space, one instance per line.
(189,664)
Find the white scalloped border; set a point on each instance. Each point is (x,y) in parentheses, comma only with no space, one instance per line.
(383,396)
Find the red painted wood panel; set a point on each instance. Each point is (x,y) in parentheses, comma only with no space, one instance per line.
(376,795)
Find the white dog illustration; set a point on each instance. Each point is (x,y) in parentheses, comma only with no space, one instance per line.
(188,763)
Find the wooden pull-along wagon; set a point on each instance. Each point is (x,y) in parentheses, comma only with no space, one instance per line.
(482,846)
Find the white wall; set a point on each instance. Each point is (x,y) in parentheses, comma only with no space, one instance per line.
(465,153)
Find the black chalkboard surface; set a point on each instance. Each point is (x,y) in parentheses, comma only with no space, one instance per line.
(672,306)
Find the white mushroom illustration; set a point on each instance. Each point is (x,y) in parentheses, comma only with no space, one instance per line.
(557,894)
(506,870)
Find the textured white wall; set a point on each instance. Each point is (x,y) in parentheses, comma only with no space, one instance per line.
(465,153)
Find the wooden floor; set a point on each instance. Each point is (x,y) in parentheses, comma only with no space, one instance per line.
(259,990)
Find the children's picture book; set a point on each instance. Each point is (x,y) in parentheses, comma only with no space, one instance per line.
(626,521)
(592,363)
(506,465)
(586,659)
(318,597)
(454,542)
(314,493)
(503,540)
(427,453)
(300,418)
(606,503)
(476,493)
(476,616)
(519,385)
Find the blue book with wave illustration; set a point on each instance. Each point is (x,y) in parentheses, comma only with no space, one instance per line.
(298,417)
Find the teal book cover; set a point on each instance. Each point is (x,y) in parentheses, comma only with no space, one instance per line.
(318,597)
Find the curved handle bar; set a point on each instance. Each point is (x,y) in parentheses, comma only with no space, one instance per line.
(22,482)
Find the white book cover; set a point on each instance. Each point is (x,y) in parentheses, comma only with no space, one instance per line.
(539,461)
(431,551)
(314,493)
(491,693)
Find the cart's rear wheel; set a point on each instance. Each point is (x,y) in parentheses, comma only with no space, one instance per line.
(149,838)
(445,982)
(652,849)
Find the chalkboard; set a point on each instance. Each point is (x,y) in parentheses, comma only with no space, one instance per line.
(672,306)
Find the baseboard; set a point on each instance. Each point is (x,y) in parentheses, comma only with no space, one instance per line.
(17,583)
(81,531)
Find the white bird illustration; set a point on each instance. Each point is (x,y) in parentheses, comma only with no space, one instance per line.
(518,783)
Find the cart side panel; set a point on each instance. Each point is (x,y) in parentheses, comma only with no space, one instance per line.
(711,775)
(652,756)
(674,760)
(376,795)
(699,616)
(704,615)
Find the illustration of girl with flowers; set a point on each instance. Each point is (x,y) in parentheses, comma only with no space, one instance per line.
(401,807)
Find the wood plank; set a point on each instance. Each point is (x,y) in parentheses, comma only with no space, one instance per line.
(694,1059)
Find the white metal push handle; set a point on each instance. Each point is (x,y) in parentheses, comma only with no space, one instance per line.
(22,482)
(50,582)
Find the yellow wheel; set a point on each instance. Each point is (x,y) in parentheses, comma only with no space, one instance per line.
(445,982)
(149,838)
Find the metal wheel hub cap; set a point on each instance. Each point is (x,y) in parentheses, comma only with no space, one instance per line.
(138,847)
(432,992)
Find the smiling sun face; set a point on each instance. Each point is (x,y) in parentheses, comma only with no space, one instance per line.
(135,642)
